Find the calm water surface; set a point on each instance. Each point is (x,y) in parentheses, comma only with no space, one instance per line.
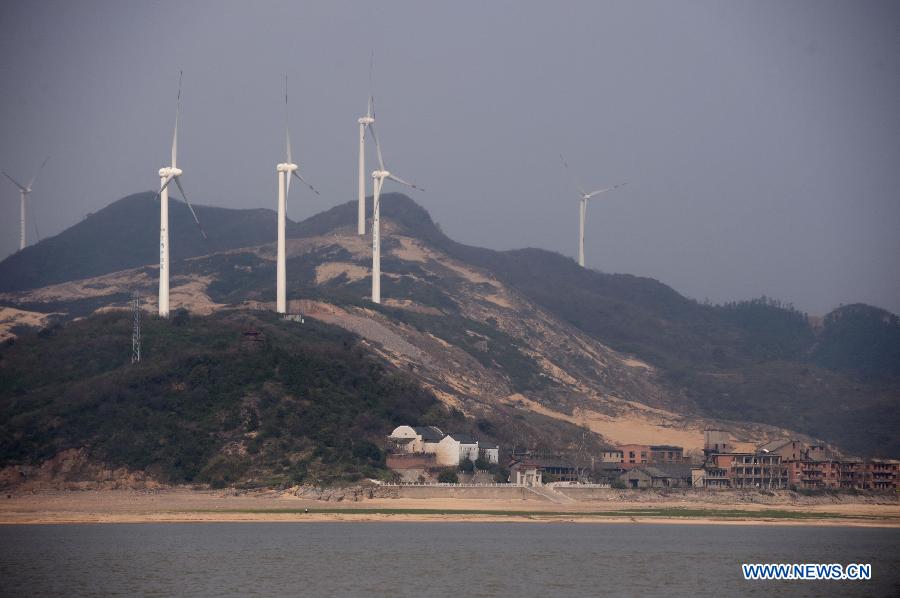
(431,559)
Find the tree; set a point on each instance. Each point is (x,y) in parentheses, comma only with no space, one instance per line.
(448,476)
(467,466)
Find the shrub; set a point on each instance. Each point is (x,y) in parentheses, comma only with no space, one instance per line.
(466,466)
(448,476)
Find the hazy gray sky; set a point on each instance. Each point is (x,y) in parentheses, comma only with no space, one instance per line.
(761,139)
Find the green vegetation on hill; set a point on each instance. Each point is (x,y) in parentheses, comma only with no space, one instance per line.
(862,339)
(205,404)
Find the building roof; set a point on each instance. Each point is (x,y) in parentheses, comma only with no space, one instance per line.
(651,471)
(675,470)
(773,445)
(487,445)
(462,438)
(429,433)
(665,447)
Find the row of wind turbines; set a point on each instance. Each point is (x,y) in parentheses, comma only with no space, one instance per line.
(285,171)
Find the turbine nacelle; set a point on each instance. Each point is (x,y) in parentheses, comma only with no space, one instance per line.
(286,167)
(380,174)
(365,120)
(169,171)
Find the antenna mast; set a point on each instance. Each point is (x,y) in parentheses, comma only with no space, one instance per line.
(136,330)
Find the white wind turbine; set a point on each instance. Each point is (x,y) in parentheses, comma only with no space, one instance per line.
(582,210)
(367,121)
(166,175)
(379,176)
(24,191)
(284,171)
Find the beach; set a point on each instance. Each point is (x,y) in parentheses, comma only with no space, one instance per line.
(192,505)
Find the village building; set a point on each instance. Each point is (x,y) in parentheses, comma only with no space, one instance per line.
(647,476)
(634,454)
(489,452)
(415,439)
(753,470)
(884,474)
(428,447)
(554,467)
(716,441)
(524,473)
(646,454)
(455,448)
(613,456)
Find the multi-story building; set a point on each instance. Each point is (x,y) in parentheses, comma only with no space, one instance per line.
(884,473)
(634,454)
(666,453)
(788,463)
(752,470)
(631,455)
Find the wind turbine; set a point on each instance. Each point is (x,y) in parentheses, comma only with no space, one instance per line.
(167,174)
(367,121)
(582,210)
(379,176)
(284,171)
(24,191)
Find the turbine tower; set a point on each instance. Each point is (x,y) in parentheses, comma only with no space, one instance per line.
(366,121)
(24,191)
(284,171)
(582,210)
(166,175)
(379,176)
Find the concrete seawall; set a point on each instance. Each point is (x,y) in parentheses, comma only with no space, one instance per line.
(487,492)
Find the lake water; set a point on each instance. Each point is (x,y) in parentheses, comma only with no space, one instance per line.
(432,559)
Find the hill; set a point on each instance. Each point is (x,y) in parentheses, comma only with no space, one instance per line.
(125,234)
(205,405)
(539,349)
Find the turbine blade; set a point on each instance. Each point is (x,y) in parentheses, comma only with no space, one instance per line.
(371,109)
(177,113)
(599,191)
(163,186)
(190,207)
(287,130)
(570,177)
(377,147)
(296,174)
(402,182)
(287,187)
(287,145)
(34,178)
(16,183)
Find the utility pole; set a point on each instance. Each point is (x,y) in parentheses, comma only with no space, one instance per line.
(136,330)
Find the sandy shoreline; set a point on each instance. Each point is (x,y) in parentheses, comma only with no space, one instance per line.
(183,505)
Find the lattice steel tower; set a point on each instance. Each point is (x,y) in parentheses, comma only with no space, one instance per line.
(136,330)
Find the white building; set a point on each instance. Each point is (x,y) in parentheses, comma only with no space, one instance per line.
(489,452)
(453,449)
(416,439)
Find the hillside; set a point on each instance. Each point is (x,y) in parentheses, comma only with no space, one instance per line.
(528,339)
(125,234)
(206,405)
